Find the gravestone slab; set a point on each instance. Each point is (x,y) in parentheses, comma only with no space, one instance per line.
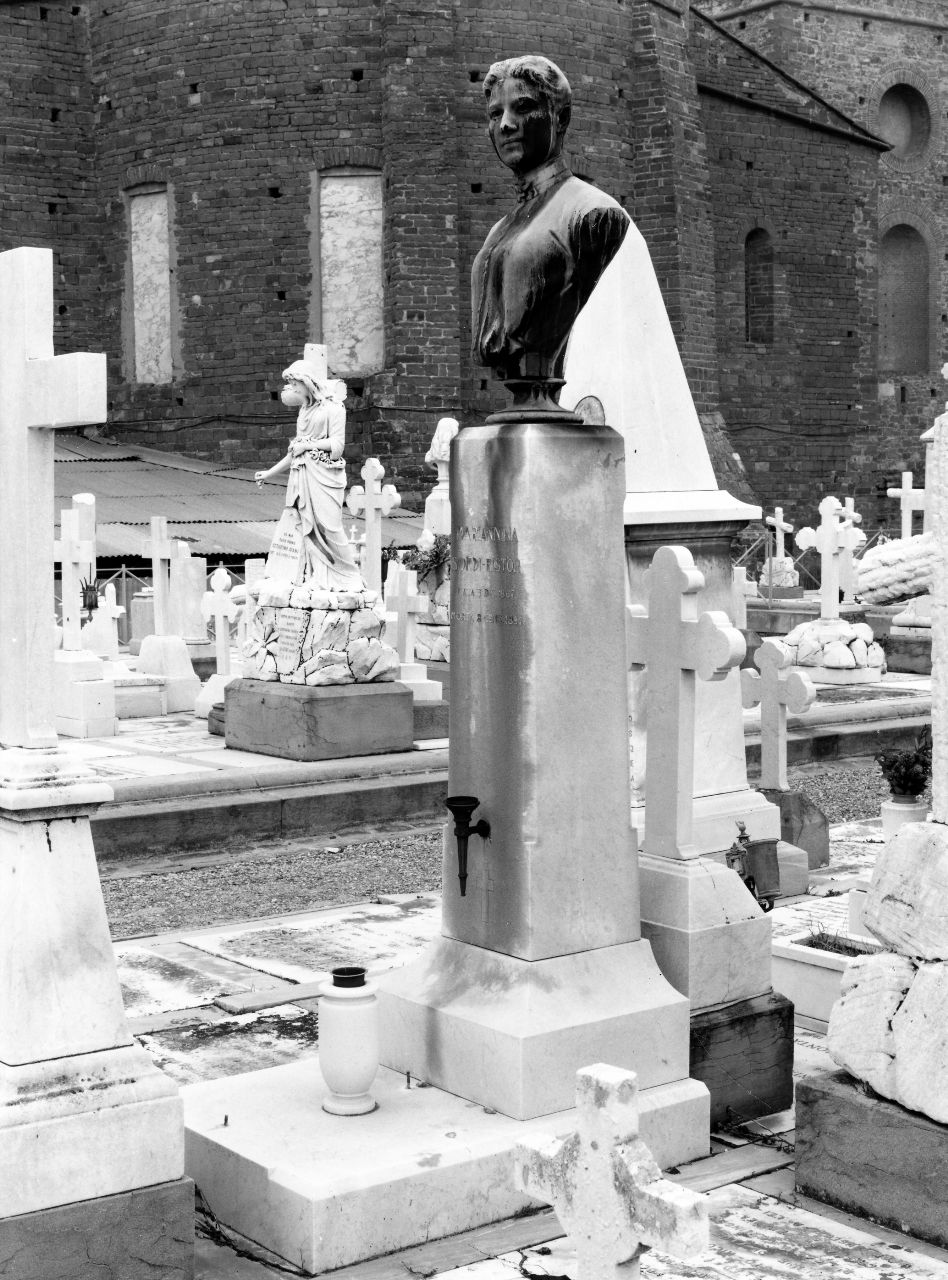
(285,560)
(802,824)
(324,722)
(871,1157)
(744,1054)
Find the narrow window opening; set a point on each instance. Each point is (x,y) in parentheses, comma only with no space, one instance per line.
(54,116)
(44,15)
(62,309)
(281,295)
(150,286)
(357,74)
(474,76)
(904,294)
(759,288)
(52,207)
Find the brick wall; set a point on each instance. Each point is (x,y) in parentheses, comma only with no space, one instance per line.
(851,58)
(232,106)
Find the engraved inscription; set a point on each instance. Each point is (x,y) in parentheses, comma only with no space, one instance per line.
(487,575)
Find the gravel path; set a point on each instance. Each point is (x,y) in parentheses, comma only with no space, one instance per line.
(287,875)
(292,875)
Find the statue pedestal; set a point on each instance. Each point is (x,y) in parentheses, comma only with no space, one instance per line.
(541,967)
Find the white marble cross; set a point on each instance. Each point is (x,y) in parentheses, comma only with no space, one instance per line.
(39,392)
(608,1192)
(780,527)
(218,605)
(777,690)
(100,634)
(74,554)
(404,603)
(836,533)
(675,646)
(374,500)
(847,562)
(910,500)
(161,550)
(255,568)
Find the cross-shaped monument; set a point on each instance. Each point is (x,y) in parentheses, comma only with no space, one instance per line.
(219,606)
(161,551)
(837,532)
(777,690)
(847,563)
(101,634)
(76,1093)
(780,527)
(74,553)
(676,647)
(910,501)
(39,392)
(608,1192)
(404,605)
(374,500)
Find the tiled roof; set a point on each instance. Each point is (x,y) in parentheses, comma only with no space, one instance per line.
(217,510)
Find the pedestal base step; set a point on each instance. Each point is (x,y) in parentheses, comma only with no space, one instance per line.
(871,1157)
(136,1235)
(744,1054)
(325,722)
(325,1191)
(429,720)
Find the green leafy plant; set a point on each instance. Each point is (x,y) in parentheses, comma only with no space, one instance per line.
(908,772)
(426,562)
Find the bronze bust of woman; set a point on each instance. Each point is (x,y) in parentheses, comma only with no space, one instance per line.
(539,264)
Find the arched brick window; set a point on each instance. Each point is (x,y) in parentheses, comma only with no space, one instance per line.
(759,287)
(904,302)
(348,283)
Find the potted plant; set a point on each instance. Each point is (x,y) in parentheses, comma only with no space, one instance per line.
(908,773)
(808,968)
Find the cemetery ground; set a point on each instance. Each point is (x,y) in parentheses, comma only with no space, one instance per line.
(221,950)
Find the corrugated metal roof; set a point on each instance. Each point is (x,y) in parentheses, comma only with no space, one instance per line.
(217,510)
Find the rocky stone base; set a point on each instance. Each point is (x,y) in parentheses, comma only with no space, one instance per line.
(432,642)
(871,1157)
(302,636)
(317,724)
(836,652)
(744,1054)
(136,1235)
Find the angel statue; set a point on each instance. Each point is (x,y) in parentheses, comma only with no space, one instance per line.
(310,545)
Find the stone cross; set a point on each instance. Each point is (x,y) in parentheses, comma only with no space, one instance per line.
(780,527)
(101,634)
(188,583)
(777,690)
(255,568)
(161,550)
(39,392)
(608,1192)
(910,499)
(74,554)
(218,605)
(836,533)
(404,603)
(847,564)
(375,501)
(675,646)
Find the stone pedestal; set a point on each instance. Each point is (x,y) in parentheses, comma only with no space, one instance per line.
(84,1113)
(871,1157)
(541,967)
(325,722)
(168,656)
(84,698)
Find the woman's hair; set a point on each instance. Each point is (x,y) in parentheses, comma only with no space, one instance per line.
(534,70)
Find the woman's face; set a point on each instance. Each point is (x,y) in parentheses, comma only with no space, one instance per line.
(522,125)
(294,395)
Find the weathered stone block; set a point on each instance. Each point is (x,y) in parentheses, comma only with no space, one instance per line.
(136,1235)
(298,722)
(744,1054)
(802,824)
(907,904)
(871,1157)
(859,1036)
